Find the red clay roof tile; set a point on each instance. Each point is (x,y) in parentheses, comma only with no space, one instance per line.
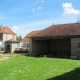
(7,30)
(60,30)
(26,39)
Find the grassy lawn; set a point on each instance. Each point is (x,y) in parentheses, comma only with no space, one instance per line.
(30,68)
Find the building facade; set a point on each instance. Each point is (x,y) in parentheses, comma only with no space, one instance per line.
(6,34)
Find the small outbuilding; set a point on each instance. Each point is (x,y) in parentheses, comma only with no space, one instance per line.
(11,45)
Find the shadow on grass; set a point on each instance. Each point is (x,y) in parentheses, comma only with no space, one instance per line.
(72,75)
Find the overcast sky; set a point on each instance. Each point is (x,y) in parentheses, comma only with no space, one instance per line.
(23,16)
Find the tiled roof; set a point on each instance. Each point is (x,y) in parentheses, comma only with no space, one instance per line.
(7,30)
(60,30)
(26,39)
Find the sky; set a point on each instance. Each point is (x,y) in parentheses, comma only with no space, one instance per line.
(24,16)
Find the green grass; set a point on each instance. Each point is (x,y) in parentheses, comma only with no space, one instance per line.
(30,68)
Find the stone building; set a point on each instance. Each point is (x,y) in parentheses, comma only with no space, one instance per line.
(11,45)
(6,34)
(57,40)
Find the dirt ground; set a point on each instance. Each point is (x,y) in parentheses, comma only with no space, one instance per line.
(4,56)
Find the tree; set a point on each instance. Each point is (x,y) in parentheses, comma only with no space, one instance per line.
(19,38)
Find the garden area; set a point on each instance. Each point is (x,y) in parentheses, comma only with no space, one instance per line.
(20,67)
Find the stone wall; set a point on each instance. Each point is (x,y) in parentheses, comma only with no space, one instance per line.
(37,47)
(75,47)
(30,46)
(9,36)
(14,46)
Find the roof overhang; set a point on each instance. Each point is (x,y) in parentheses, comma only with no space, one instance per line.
(56,37)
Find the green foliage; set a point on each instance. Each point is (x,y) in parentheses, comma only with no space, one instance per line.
(19,38)
(30,68)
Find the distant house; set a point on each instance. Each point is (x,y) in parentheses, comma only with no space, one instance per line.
(57,40)
(6,34)
(25,40)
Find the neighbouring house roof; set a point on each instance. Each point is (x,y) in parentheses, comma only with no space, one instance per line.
(26,39)
(7,30)
(60,30)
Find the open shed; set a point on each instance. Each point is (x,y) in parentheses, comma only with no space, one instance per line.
(57,40)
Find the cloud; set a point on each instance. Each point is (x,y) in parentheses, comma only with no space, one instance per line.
(15,28)
(39,7)
(36,1)
(69,9)
(33,10)
(42,0)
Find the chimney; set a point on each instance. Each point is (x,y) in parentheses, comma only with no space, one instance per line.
(52,24)
(0,27)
